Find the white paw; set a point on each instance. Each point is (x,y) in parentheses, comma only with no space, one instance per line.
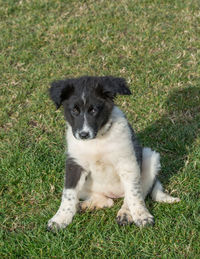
(93,204)
(124,217)
(142,217)
(172,200)
(168,199)
(54,226)
(58,222)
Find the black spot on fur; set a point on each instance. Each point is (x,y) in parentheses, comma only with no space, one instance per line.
(137,147)
(73,174)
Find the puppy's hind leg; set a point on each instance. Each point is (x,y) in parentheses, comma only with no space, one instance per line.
(149,181)
(157,194)
(150,169)
(96,201)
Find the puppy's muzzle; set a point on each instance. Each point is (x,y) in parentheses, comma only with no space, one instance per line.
(84,135)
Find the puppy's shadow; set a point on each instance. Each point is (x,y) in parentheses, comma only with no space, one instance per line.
(173,135)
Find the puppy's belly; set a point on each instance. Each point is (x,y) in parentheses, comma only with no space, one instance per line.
(103,180)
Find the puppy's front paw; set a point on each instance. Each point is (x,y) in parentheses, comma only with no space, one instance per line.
(143,218)
(58,222)
(55,226)
(124,217)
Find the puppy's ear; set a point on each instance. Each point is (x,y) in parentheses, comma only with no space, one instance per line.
(110,86)
(61,90)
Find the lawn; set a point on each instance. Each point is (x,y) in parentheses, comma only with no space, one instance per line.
(155,45)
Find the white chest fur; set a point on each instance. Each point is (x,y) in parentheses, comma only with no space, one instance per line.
(101,155)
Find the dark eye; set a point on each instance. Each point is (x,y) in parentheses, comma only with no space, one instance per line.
(75,111)
(93,111)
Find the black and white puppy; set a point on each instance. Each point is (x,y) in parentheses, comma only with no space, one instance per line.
(105,160)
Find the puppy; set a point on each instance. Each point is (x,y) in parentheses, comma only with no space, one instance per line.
(105,160)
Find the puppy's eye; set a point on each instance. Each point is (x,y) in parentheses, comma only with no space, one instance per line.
(93,111)
(75,111)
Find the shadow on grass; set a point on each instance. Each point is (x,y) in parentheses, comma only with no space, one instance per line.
(173,135)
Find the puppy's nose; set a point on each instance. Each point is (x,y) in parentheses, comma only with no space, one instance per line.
(84,135)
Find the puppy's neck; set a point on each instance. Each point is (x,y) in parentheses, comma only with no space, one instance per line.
(105,128)
(115,115)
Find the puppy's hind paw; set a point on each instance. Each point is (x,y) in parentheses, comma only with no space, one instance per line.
(173,200)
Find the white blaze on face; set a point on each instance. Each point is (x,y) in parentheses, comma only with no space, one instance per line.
(83,98)
(86,129)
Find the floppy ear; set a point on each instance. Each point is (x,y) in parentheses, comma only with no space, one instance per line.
(61,90)
(111,86)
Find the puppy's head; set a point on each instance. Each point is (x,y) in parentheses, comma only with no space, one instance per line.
(87,101)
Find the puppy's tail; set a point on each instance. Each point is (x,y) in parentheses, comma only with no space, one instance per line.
(150,184)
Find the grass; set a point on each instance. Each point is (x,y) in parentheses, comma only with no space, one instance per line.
(155,46)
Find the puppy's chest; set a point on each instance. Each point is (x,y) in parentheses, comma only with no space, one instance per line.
(95,157)
(103,174)
(101,169)
(103,177)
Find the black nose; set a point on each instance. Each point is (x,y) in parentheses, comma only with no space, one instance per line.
(84,135)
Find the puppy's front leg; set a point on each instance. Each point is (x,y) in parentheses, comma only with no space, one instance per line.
(130,176)
(74,180)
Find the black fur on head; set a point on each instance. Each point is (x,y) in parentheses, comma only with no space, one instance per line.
(110,86)
(61,90)
(87,101)
(105,86)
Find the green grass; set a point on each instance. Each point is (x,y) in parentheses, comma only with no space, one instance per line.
(155,46)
